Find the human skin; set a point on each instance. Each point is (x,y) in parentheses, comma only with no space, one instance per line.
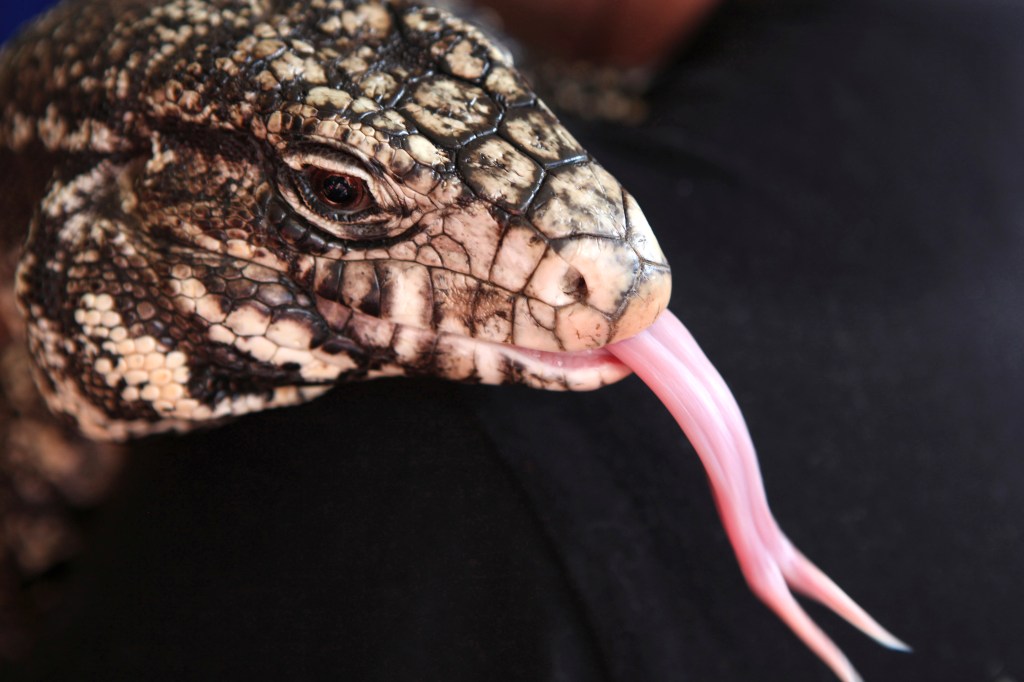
(617,32)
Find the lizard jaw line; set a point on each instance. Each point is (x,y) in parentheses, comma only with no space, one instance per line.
(569,360)
(583,370)
(461,357)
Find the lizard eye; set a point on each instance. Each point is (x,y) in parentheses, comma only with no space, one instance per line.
(341,196)
(340,192)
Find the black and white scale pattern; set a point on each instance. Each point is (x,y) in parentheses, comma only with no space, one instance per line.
(183,263)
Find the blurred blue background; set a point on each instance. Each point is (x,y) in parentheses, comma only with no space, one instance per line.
(14,14)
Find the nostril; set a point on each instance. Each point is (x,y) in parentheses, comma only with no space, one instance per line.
(575,286)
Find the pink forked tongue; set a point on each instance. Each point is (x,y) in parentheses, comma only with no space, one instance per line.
(670,362)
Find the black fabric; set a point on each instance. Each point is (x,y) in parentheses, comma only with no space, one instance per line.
(837,186)
(367,537)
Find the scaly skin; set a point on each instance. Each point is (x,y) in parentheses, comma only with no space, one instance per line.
(168,259)
(183,264)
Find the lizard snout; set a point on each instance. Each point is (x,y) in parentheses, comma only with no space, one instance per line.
(604,273)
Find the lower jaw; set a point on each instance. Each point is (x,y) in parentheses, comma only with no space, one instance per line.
(572,371)
(462,358)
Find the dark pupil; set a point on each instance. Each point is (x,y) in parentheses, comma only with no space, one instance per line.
(337,190)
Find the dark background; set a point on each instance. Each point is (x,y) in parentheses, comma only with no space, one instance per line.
(838,188)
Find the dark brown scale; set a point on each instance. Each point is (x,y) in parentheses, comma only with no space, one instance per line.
(332,281)
(313,242)
(241,289)
(338,345)
(293,232)
(215,285)
(275,295)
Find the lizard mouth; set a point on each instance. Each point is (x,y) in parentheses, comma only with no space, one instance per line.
(412,349)
(569,361)
(579,370)
(467,358)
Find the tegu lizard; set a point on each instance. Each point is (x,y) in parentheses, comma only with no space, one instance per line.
(248,201)
(213,207)
(232,205)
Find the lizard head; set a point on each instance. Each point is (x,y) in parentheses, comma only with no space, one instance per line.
(287,197)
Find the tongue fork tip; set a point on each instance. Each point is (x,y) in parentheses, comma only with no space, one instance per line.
(767,581)
(772,577)
(802,575)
